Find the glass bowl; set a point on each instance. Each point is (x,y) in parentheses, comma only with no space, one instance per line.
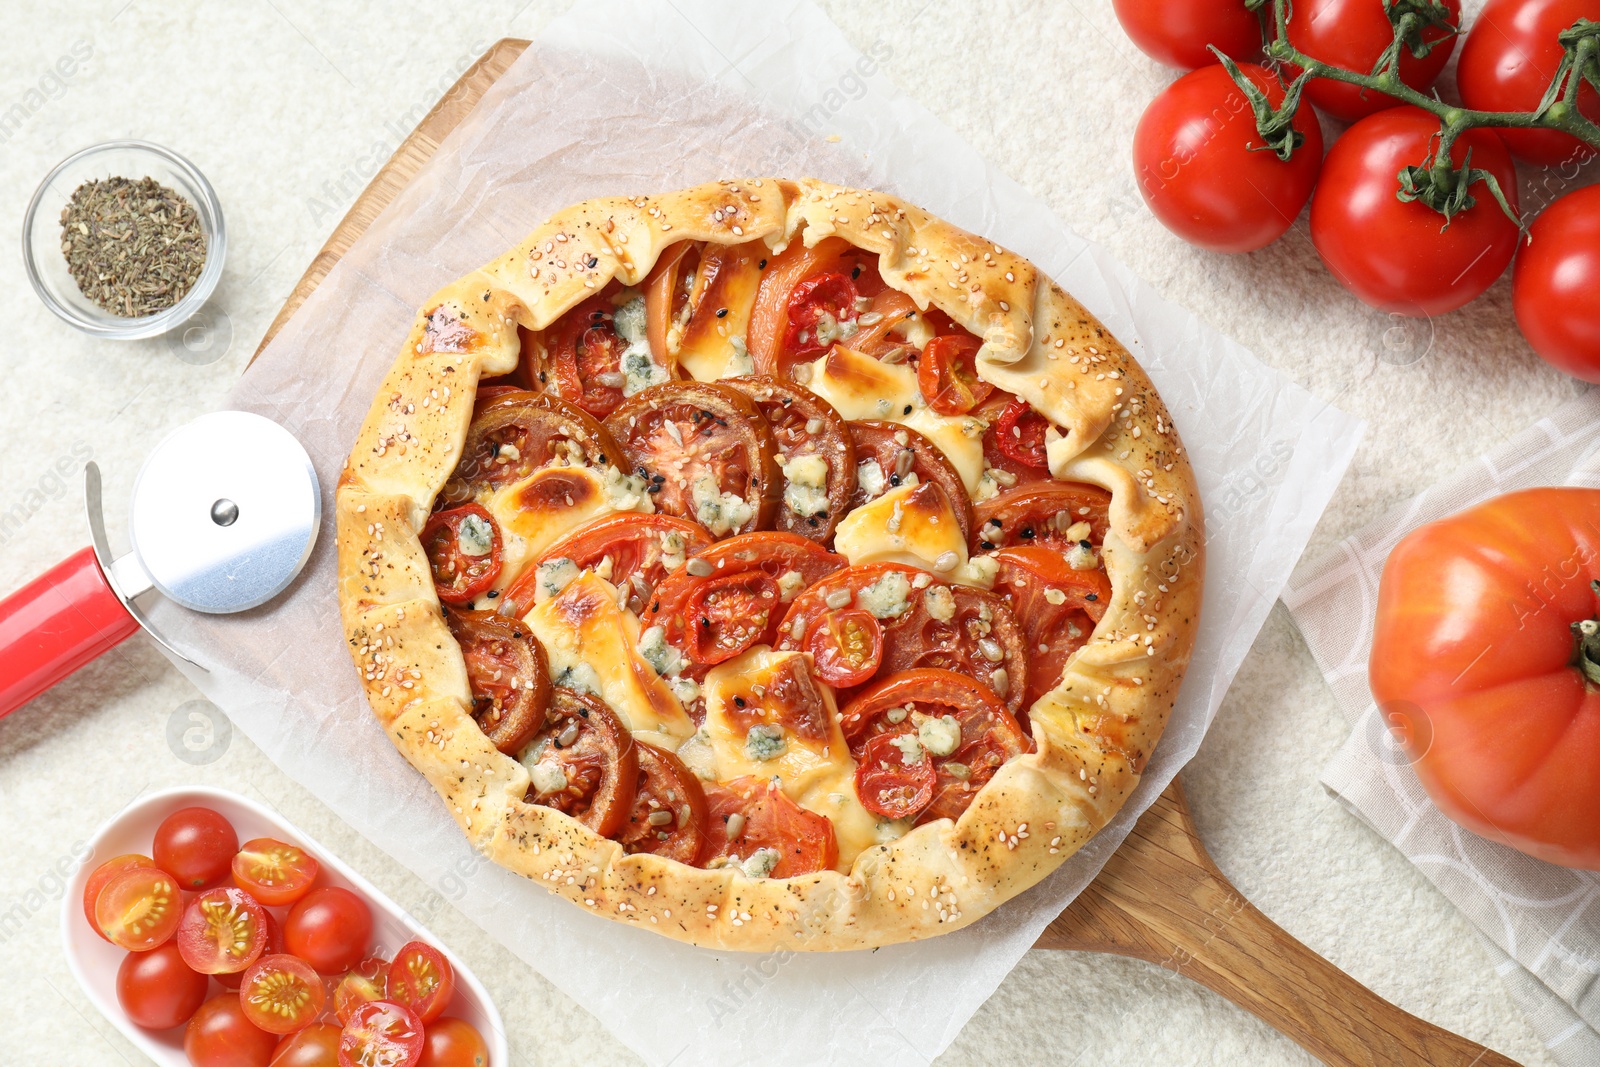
(41,235)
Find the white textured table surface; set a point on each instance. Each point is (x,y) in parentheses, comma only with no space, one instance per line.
(290,106)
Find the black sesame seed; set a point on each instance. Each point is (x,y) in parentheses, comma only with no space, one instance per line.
(491,594)
(762,265)
(1091,596)
(986,545)
(855,273)
(738,702)
(722,313)
(1027,531)
(894,479)
(907,410)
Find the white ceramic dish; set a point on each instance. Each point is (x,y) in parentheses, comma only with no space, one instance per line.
(94,962)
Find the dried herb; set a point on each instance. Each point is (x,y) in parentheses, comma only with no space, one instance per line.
(133,247)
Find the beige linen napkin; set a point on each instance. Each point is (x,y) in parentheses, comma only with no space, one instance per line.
(1541,921)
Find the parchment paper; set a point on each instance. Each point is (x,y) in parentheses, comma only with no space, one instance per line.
(619,98)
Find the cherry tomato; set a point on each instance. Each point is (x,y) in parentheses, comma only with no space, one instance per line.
(274,872)
(947,375)
(1397,256)
(1204,170)
(454,1043)
(803,424)
(895,775)
(1510,59)
(749,815)
(464,551)
(421,979)
(727,614)
(818,307)
(784,322)
(196,846)
(584,762)
(638,546)
(381,1034)
(1019,433)
(329,929)
(315,1046)
(219,1035)
(274,945)
(586,356)
(157,990)
(846,646)
(282,994)
(1353,34)
(1176,32)
(362,984)
(508,672)
(669,808)
(886,453)
(223,931)
(139,908)
(1478,665)
(1555,281)
(101,876)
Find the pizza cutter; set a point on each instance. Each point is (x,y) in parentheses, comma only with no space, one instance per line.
(225,514)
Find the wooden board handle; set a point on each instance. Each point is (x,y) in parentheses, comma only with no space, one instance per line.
(1162,900)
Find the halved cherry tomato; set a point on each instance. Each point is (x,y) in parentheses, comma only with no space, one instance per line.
(219,1035)
(639,547)
(365,982)
(195,846)
(669,808)
(329,929)
(749,815)
(454,1043)
(803,424)
(274,872)
(509,675)
(887,452)
(1057,605)
(817,308)
(520,432)
(727,614)
(274,945)
(772,325)
(589,759)
(101,876)
(282,994)
(157,990)
(990,735)
(707,452)
(381,1034)
(1041,514)
(315,1046)
(890,309)
(1019,434)
(139,908)
(947,375)
(847,647)
(585,355)
(463,547)
(894,776)
(421,979)
(222,931)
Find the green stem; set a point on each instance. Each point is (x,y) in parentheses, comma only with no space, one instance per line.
(1586,649)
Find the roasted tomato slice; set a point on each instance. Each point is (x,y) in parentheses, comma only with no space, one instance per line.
(643,550)
(1046,513)
(282,994)
(667,295)
(754,826)
(728,613)
(421,979)
(804,293)
(707,452)
(275,872)
(669,815)
(222,931)
(1018,433)
(1057,605)
(818,456)
(101,876)
(585,356)
(584,762)
(895,776)
(381,1034)
(463,547)
(509,674)
(947,374)
(847,647)
(138,908)
(957,721)
(519,432)
(886,453)
(366,982)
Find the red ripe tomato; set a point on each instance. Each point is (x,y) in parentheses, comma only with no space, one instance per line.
(1555,283)
(220,1036)
(463,547)
(1203,169)
(315,1046)
(1510,59)
(422,979)
(846,645)
(381,1034)
(454,1043)
(329,929)
(274,872)
(138,909)
(363,984)
(947,374)
(1176,32)
(895,775)
(157,990)
(101,876)
(274,945)
(1478,666)
(1400,257)
(196,846)
(282,994)
(727,613)
(223,930)
(750,815)
(1353,34)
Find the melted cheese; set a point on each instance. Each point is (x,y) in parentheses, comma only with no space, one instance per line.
(912,524)
(591,643)
(860,387)
(713,347)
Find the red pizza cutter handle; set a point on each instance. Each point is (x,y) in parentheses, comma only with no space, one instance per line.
(55,624)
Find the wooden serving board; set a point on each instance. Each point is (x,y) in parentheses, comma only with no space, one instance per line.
(1160,898)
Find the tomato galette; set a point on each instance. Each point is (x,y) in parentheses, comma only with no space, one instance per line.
(770,564)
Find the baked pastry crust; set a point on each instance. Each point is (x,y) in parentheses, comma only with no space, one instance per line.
(1094,732)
